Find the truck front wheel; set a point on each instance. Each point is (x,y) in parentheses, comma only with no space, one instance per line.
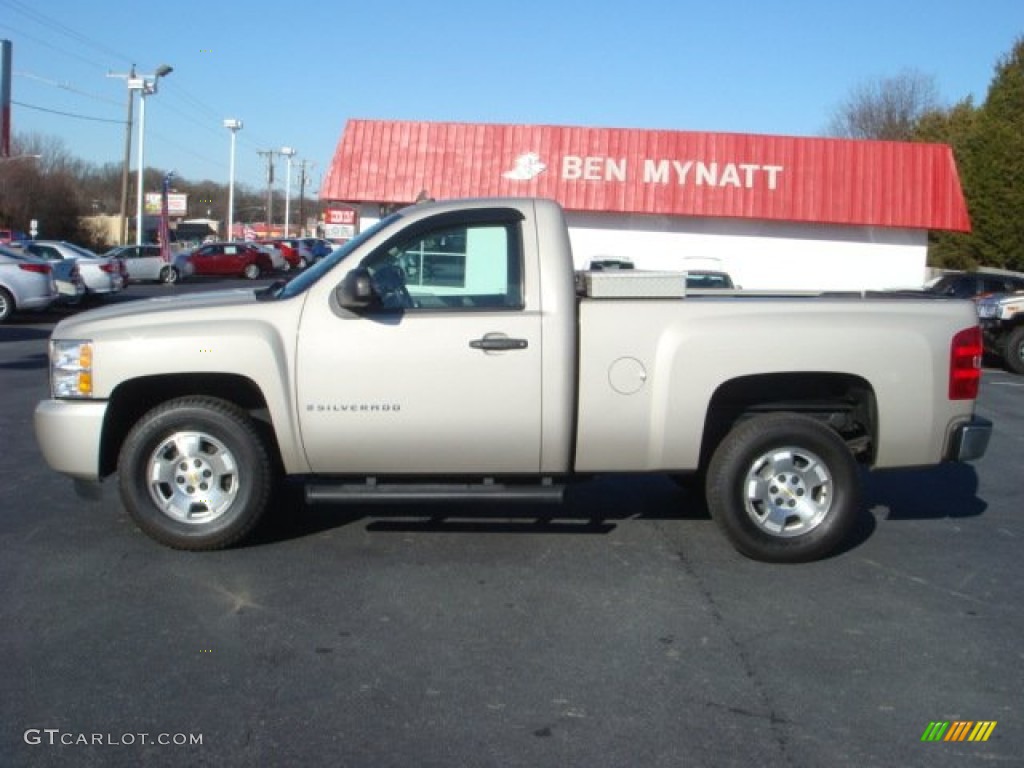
(1013,353)
(195,473)
(784,488)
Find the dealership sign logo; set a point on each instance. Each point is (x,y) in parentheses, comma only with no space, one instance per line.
(959,730)
(663,171)
(528,166)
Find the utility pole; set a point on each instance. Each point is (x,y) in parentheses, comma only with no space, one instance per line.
(123,225)
(302,193)
(270,186)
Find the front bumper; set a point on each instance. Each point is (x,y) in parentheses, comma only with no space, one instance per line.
(969,440)
(69,434)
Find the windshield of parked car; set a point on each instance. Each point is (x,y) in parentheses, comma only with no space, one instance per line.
(329,262)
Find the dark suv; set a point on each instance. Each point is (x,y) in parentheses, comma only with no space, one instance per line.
(968,285)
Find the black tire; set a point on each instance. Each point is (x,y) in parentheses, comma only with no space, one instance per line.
(6,305)
(169,275)
(252,271)
(784,488)
(1013,350)
(200,501)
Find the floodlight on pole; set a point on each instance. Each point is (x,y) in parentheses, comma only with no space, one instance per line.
(145,85)
(234,126)
(289,153)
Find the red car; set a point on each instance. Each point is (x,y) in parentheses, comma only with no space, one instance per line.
(288,250)
(242,259)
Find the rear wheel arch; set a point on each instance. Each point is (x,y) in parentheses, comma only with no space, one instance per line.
(844,402)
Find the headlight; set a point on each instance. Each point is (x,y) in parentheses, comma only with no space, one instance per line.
(71,368)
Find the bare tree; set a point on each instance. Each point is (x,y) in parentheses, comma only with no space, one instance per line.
(888,109)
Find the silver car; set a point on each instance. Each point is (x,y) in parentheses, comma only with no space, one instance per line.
(144,262)
(102,275)
(26,283)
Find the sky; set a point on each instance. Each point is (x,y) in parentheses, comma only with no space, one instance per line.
(295,71)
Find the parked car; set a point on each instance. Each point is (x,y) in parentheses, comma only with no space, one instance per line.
(294,252)
(144,262)
(708,280)
(26,283)
(70,285)
(319,247)
(969,285)
(277,258)
(231,258)
(102,275)
(1001,316)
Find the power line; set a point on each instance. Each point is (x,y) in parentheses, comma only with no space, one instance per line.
(67,114)
(53,24)
(64,86)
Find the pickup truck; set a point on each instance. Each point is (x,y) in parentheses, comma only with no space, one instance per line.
(450,352)
(1002,327)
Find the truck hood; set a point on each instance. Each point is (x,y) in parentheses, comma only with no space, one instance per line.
(160,311)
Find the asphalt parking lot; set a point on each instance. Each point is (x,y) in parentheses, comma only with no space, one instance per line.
(623,632)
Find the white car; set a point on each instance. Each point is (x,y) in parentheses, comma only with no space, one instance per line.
(277,258)
(102,275)
(25,283)
(144,262)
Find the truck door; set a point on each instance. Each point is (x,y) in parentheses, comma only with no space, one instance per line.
(443,374)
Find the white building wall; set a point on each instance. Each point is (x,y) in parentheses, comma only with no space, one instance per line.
(757,254)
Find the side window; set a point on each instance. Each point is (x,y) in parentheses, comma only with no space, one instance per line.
(462,266)
(47,252)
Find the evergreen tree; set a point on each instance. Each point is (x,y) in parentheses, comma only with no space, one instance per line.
(995,154)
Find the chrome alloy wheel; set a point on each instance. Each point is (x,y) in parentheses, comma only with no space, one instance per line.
(788,491)
(192,477)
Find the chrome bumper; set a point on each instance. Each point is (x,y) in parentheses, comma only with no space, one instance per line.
(970,440)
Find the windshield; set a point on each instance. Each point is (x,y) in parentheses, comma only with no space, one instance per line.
(329,262)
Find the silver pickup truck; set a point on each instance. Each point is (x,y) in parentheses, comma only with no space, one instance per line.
(451,353)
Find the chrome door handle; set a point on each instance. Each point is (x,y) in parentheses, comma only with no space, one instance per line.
(500,343)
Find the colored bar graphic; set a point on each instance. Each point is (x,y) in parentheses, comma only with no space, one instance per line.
(982,731)
(959,730)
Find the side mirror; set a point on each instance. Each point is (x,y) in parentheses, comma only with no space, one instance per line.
(356,290)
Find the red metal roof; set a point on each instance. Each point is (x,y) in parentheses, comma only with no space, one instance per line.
(831,181)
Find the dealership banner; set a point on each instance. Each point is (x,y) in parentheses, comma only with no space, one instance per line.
(682,173)
(177,204)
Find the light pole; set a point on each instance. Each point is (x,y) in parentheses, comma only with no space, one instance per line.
(145,85)
(289,153)
(234,126)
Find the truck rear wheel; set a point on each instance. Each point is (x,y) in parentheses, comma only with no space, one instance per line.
(784,488)
(1013,352)
(195,473)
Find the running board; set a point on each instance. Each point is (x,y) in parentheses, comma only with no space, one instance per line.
(371,492)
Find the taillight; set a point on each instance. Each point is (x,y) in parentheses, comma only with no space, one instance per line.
(108,267)
(965,364)
(42,269)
